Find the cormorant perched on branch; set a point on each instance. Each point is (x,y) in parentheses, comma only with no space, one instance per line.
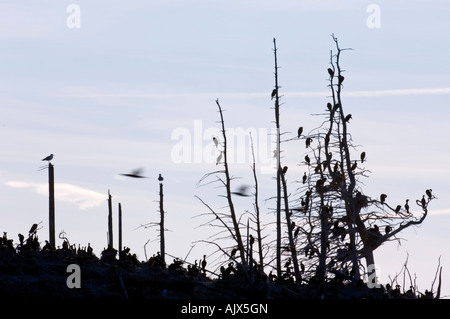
(308,142)
(307,159)
(354,166)
(274,92)
(300,131)
(160,178)
(330,72)
(284,170)
(304,178)
(348,117)
(407,206)
(340,79)
(33,229)
(363,157)
(383,198)
(329,106)
(397,209)
(429,194)
(388,229)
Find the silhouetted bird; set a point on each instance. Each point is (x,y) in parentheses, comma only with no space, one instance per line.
(429,194)
(348,117)
(136,173)
(33,229)
(160,178)
(397,209)
(330,72)
(204,263)
(354,166)
(423,201)
(383,198)
(387,229)
(329,106)
(308,142)
(48,158)
(300,131)
(233,252)
(304,178)
(363,157)
(252,240)
(407,206)
(284,170)
(307,159)
(274,93)
(340,79)
(242,191)
(216,141)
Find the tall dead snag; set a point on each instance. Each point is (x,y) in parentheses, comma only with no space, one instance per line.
(161,224)
(51,191)
(340,225)
(110,222)
(230,222)
(275,94)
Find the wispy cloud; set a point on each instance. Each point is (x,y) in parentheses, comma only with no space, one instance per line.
(80,196)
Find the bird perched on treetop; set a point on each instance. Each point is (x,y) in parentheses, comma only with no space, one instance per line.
(160,178)
(274,92)
(284,170)
(48,158)
(429,194)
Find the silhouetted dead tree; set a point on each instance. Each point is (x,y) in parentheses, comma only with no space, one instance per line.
(332,205)
(229,218)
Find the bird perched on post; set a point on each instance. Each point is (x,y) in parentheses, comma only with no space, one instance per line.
(48,158)
(274,92)
(160,178)
(429,194)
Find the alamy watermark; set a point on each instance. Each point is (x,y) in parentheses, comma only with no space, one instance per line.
(205,146)
(73,21)
(374,19)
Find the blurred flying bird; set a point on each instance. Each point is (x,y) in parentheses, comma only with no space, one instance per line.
(48,158)
(136,173)
(274,92)
(329,106)
(241,191)
(397,209)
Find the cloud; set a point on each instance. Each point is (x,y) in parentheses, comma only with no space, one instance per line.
(82,197)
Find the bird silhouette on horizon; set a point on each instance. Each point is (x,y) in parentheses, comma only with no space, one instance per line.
(48,158)
(160,178)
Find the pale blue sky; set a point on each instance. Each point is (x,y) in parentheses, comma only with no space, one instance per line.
(106,98)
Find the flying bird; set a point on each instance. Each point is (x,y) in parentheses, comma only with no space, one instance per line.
(274,92)
(242,191)
(330,72)
(136,173)
(160,178)
(48,158)
(300,131)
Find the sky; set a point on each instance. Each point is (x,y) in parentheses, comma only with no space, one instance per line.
(111,86)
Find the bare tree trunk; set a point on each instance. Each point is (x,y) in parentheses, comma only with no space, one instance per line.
(161,225)
(227,185)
